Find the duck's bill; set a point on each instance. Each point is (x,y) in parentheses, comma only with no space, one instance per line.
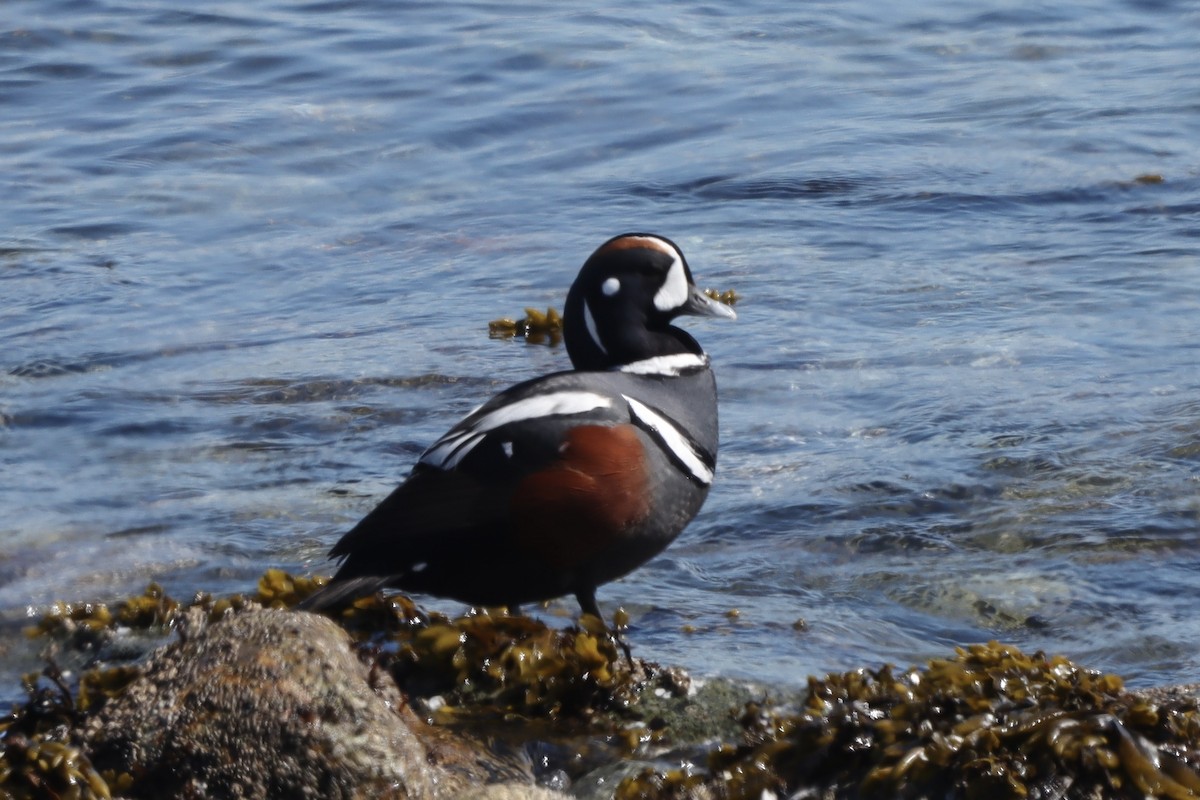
(701,305)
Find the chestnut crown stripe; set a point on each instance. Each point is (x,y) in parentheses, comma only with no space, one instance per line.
(449,450)
(633,241)
(694,460)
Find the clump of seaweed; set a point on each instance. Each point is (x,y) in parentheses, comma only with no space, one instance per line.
(502,665)
(43,767)
(279,589)
(98,686)
(154,611)
(492,675)
(488,664)
(86,623)
(37,755)
(991,722)
(729,297)
(535,327)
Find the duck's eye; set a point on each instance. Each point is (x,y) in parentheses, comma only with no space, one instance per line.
(610,287)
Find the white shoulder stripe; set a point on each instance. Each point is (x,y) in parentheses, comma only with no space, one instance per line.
(447,451)
(666,365)
(541,405)
(675,441)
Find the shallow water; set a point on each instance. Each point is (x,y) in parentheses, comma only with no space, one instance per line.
(248,255)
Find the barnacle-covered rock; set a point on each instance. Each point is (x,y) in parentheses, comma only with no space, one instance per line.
(264,704)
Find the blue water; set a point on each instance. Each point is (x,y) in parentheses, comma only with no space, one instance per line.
(248,255)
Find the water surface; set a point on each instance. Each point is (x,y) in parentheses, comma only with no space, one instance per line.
(248,255)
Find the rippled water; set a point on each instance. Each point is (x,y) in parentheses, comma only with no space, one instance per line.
(248,255)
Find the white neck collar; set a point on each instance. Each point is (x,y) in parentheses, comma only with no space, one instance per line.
(666,365)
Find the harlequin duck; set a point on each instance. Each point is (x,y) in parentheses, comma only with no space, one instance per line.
(564,482)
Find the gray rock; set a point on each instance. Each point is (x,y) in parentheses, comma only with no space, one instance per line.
(265,704)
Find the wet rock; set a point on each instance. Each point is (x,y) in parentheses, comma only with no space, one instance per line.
(268,703)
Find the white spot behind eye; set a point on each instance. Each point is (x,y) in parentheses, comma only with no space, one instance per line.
(610,287)
(507,447)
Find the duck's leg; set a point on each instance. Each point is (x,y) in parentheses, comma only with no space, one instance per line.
(587,602)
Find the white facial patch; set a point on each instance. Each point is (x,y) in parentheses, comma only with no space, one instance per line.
(671,437)
(674,291)
(589,322)
(447,451)
(610,287)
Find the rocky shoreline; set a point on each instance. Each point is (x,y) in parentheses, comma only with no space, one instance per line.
(251,698)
